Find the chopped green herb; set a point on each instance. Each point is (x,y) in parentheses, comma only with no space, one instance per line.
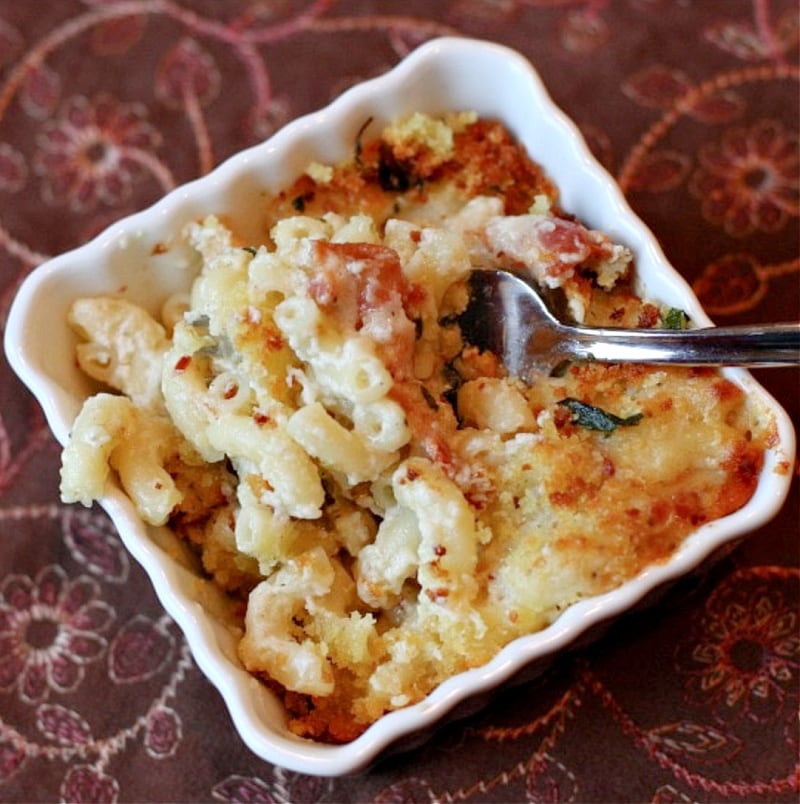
(594,418)
(251,250)
(299,203)
(451,375)
(198,321)
(676,319)
(449,320)
(432,403)
(561,369)
(393,176)
(450,394)
(358,147)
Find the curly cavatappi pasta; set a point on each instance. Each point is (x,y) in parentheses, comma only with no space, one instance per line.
(391,505)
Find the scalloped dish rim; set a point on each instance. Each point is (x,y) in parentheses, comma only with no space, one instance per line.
(442,73)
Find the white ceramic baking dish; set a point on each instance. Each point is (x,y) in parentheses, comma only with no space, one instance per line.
(444,74)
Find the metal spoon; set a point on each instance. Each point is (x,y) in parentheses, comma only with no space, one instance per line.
(507,315)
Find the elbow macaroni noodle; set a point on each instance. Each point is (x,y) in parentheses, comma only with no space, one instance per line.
(395,508)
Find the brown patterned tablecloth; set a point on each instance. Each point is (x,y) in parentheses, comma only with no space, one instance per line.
(107,104)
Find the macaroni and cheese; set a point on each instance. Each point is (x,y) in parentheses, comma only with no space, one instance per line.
(393,507)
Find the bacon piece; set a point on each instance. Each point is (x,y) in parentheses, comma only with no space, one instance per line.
(550,247)
(432,424)
(363,287)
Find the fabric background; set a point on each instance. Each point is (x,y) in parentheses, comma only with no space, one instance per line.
(107,104)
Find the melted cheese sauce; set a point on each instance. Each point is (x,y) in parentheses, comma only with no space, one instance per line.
(460,509)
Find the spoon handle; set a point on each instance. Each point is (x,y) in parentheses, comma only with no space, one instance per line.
(767,345)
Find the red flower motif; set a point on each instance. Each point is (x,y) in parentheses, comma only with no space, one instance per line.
(13,170)
(49,631)
(746,658)
(140,650)
(748,181)
(187,71)
(583,32)
(245,789)
(12,758)
(731,284)
(285,785)
(63,726)
(94,542)
(83,783)
(164,732)
(92,152)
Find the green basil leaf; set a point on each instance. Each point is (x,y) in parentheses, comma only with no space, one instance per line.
(594,418)
(676,319)
(358,147)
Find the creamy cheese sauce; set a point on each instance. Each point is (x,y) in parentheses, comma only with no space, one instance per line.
(391,506)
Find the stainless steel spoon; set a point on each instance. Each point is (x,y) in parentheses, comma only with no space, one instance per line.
(507,315)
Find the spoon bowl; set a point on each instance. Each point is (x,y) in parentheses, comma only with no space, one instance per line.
(507,315)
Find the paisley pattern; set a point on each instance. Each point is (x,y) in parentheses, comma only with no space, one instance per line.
(107,104)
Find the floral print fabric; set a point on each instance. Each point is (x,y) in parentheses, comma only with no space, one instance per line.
(105,105)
